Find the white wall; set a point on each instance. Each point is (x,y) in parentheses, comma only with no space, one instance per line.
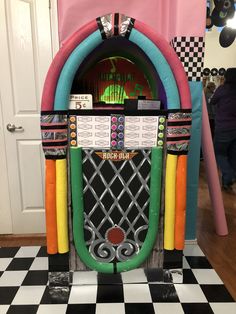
(215,55)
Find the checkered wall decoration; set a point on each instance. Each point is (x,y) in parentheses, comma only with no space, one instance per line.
(190,51)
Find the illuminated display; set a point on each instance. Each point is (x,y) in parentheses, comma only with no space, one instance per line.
(114,79)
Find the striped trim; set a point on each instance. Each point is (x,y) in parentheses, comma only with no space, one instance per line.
(100,27)
(54,127)
(53,112)
(53,157)
(180,123)
(181,120)
(171,136)
(54,131)
(178,131)
(54,134)
(130,27)
(172,152)
(52,143)
(53,124)
(56,147)
(179,110)
(115,25)
(173,127)
(179,142)
(178,138)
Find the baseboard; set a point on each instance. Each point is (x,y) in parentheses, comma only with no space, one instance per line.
(189,242)
(8,240)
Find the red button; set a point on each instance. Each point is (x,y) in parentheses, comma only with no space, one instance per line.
(115,235)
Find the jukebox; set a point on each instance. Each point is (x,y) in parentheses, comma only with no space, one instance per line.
(116,154)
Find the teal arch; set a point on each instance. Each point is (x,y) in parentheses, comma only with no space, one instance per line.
(90,43)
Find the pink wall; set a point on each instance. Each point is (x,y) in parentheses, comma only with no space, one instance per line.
(168,17)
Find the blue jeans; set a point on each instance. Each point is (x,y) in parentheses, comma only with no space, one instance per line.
(225,151)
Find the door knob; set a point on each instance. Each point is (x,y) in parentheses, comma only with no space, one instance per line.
(12,128)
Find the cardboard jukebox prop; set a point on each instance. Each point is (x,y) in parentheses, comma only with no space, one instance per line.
(115,175)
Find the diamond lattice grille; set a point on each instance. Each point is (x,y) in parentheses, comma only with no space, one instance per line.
(116,194)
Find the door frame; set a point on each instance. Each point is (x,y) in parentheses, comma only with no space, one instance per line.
(6,226)
(5,205)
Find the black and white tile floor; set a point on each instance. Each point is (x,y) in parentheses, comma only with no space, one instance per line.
(23,289)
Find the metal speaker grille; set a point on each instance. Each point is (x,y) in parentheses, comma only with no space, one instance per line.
(116,194)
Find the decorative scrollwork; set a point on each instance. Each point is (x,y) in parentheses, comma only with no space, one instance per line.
(105,252)
(92,233)
(127,250)
(137,234)
(102,251)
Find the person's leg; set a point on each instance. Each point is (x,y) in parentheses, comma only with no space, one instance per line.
(222,143)
(212,123)
(232,153)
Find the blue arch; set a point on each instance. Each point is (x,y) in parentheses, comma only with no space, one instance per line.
(90,43)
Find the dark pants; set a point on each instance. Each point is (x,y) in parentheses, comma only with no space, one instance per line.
(212,127)
(225,151)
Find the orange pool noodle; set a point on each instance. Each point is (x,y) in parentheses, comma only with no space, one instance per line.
(180,202)
(50,204)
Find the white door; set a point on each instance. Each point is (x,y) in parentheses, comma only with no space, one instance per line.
(25,55)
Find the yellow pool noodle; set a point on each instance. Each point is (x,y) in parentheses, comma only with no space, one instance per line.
(50,206)
(169,220)
(61,202)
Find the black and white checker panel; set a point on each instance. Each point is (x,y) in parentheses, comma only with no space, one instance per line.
(190,51)
(24,288)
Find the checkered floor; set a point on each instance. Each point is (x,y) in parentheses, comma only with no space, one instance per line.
(23,289)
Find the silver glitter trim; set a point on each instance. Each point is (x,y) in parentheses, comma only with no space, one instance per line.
(54,151)
(179,115)
(178,131)
(53,118)
(59,278)
(106,21)
(178,147)
(124,24)
(59,294)
(54,136)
